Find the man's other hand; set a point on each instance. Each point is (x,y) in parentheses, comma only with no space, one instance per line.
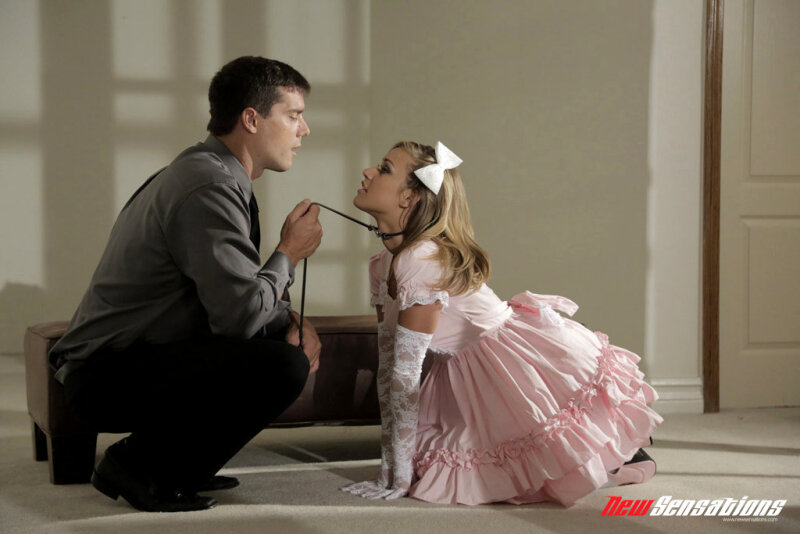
(311,343)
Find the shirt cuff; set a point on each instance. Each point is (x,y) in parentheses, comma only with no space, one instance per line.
(281,264)
(278,322)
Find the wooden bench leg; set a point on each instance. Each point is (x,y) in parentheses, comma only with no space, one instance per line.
(71,458)
(39,443)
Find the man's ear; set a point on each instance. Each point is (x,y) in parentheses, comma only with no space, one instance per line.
(249,118)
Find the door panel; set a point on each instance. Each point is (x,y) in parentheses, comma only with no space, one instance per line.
(760,205)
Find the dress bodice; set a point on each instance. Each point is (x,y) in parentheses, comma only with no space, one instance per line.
(464,318)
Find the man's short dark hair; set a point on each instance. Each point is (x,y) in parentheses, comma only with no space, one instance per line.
(249,82)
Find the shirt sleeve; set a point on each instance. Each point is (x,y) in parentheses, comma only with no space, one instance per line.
(209,239)
(417,273)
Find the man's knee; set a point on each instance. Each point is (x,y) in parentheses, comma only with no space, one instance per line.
(283,370)
(283,376)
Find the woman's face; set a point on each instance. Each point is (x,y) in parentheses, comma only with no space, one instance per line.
(383,190)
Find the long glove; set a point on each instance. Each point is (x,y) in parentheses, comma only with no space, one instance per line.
(383,382)
(406,368)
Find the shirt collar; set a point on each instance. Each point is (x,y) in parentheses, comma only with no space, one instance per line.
(233,164)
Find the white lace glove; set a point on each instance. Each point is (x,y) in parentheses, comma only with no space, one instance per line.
(383,381)
(409,353)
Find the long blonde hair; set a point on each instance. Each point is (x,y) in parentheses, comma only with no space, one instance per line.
(444,219)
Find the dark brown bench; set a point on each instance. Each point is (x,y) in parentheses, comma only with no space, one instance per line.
(342,391)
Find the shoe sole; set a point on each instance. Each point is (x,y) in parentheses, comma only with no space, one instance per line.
(637,473)
(219,483)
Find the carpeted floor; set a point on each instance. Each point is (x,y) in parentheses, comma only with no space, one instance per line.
(290,480)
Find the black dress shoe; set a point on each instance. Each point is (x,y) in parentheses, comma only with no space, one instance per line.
(218,482)
(116,475)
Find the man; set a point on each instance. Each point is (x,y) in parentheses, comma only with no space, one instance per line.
(183,338)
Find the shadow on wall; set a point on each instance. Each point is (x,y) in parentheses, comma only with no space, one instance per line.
(77,163)
(106,126)
(547,102)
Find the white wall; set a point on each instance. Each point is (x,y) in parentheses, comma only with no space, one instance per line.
(579,123)
(674,201)
(22,269)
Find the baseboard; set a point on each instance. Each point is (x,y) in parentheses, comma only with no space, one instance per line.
(678,395)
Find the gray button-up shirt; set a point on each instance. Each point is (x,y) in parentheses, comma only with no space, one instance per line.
(179,263)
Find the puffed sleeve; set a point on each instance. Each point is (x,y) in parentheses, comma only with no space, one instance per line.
(378,266)
(417,273)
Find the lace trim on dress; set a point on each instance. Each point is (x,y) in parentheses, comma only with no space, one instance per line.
(408,301)
(609,367)
(405,300)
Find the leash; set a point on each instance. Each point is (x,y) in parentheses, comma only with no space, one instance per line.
(371,228)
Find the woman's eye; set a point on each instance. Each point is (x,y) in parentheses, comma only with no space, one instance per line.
(383,169)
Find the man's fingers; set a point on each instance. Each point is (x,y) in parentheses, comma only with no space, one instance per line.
(313,211)
(301,209)
(312,348)
(312,351)
(293,337)
(313,363)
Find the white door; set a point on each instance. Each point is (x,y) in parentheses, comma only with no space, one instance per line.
(760,205)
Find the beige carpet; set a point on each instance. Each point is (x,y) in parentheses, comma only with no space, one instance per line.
(290,480)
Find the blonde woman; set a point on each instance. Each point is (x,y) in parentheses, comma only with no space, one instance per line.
(521,404)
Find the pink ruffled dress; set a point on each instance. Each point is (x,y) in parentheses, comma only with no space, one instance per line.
(521,404)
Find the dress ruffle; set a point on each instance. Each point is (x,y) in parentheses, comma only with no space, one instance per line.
(577,403)
(410,294)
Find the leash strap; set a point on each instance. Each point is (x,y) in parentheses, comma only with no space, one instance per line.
(373,229)
(303,302)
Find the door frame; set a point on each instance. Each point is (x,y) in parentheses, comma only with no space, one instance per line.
(712,122)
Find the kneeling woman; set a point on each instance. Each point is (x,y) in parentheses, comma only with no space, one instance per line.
(521,404)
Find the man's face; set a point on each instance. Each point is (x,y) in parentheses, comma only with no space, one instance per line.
(280,133)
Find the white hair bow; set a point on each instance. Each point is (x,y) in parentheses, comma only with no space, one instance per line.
(433,175)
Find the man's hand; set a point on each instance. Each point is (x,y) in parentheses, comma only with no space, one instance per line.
(301,232)
(311,344)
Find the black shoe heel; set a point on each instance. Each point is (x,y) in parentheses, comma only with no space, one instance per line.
(104,487)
